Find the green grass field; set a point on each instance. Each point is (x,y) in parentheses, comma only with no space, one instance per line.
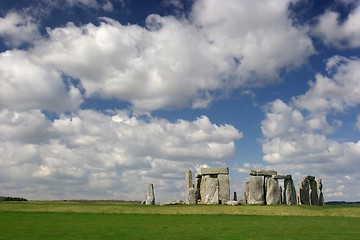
(106,220)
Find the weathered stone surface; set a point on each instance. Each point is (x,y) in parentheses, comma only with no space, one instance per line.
(262,172)
(207,171)
(191,198)
(304,192)
(203,187)
(150,196)
(272,192)
(246,192)
(188,183)
(256,190)
(313,195)
(224,188)
(319,192)
(289,192)
(212,191)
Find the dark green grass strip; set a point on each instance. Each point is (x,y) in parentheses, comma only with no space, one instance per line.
(37,225)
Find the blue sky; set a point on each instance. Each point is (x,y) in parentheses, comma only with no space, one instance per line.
(99,98)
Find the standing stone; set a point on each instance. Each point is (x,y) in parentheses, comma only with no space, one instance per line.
(224,188)
(256,190)
(313,194)
(304,190)
(235,196)
(281,195)
(289,192)
(212,191)
(246,192)
(319,192)
(188,183)
(272,192)
(191,198)
(197,187)
(150,196)
(203,187)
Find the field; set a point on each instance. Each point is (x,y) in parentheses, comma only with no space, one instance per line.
(113,220)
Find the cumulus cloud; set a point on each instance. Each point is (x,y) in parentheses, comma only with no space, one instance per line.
(340,33)
(17,29)
(26,84)
(101,153)
(174,62)
(297,134)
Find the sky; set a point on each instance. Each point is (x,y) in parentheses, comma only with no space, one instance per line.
(100,98)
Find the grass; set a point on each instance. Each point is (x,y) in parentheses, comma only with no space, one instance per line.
(104,220)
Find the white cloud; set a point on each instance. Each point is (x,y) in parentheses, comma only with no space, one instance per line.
(17,29)
(26,85)
(174,63)
(110,155)
(298,134)
(336,92)
(334,31)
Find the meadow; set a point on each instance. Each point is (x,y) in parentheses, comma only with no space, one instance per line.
(113,220)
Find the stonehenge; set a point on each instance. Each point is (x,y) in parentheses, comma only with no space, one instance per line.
(212,186)
(263,188)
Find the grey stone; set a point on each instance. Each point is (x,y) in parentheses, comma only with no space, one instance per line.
(203,187)
(197,188)
(313,194)
(319,192)
(289,192)
(224,188)
(304,192)
(246,192)
(262,172)
(272,191)
(256,190)
(310,178)
(150,196)
(209,171)
(212,191)
(191,197)
(188,183)
(233,203)
(281,176)
(235,197)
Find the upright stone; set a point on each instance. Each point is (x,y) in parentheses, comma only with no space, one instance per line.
(304,192)
(188,183)
(281,195)
(313,194)
(246,192)
(272,191)
(150,196)
(212,191)
(203,187)
(289,192)
(256,190)
(191,198)
(235,196)
(319,192)
(197,187)
(224,188)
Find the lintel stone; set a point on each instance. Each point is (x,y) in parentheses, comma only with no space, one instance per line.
(207,171)
(310,178)
(282,176)
(263,172)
